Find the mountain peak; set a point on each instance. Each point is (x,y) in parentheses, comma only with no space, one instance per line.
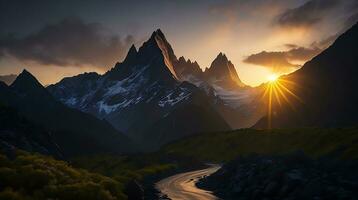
(132,49)
(26,83)
(221,62)
(158,45)
(131,55)
(221,57)
(182,59)
(26,76)
(26,73)
(158,33)
(222,69)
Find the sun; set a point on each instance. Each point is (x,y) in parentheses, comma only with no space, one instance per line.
(272,78)
(277,91)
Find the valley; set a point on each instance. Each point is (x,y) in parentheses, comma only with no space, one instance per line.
(147,123)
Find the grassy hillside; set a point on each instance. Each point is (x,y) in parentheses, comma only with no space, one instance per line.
(146,169)
(225,146)
(32,101)
(124,168)
(34,176)
(19,132)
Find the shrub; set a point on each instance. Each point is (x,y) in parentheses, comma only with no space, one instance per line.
(9,194)
(37,177)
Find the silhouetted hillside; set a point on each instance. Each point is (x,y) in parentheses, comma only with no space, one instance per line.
(75,132)
(326,89)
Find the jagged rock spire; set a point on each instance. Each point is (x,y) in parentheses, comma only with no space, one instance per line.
(222,69)
(131,55)
(157,45)
(26,83)
(25,78)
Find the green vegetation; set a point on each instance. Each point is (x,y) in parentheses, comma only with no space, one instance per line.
(225,146)
(34,176)
(124,168)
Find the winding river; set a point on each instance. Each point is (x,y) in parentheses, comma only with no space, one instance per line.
(182,186)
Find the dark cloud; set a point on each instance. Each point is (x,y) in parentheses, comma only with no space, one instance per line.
(306,15)
(282,61)
(71,42)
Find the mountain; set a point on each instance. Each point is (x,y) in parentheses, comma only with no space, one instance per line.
(222,73)
(141,93)
(18,132)
(8,79)
(26,85)
(325,89)
(226,84)
(75,132)
(186,119)
(222,81)
(188,71)
(220,78)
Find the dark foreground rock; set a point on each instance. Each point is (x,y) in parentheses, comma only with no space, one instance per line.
(134,191)
(285,177)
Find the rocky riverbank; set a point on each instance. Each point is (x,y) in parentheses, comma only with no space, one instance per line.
(288,177)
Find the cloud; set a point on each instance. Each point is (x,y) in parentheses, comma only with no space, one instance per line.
(282,61)
(269,59)
(326,42)
(71,42)
(291,46)
(302,53)
(306,15)
(351,20)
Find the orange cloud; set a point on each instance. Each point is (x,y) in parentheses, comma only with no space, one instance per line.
(282,61)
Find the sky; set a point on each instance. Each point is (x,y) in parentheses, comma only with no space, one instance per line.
(55,39)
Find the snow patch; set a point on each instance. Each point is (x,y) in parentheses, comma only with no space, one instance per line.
(103,107)
(233,98)
(171,99)
(70,101)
